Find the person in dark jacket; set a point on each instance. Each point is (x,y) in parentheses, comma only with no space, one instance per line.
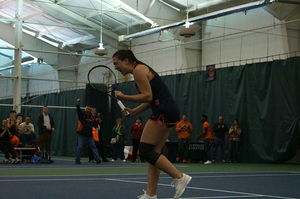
(46,126)
(118,132)
(86,122)
(219,129)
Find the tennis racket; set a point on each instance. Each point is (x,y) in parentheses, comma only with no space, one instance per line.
(104,80)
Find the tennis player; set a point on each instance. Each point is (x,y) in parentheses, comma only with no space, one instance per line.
(154,94)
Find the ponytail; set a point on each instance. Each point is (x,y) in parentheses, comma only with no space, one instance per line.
(123,54)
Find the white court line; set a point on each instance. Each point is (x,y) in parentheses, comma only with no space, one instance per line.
(225,176)
(247,175)
(218,197)
(206,189)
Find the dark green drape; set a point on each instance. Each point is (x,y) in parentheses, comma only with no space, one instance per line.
(264,97)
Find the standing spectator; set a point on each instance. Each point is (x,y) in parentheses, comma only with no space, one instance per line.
(184,130)
(136,132)
(6,147)
(118,132)
(46,126)
(98,140)
(208,139)
(27,132)
(13,125)
(234,141)
(219,129)
(86,123)
(101,142)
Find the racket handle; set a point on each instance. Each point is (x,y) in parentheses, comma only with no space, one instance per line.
(121,105)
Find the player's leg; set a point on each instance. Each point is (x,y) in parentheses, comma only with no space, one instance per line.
(156,134)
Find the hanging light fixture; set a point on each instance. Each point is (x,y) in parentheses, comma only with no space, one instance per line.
(186,31)
(100,50)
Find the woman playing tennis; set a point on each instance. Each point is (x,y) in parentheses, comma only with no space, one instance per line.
(154,94)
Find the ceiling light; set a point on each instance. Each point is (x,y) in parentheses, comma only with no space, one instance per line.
(133,11)
(177,9)
(100,51)
(204,5)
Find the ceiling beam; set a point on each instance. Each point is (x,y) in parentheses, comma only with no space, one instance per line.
(78,40)
(56,10)
(273,13)
(5,3)
(292,13)
(149,7)
(34,15)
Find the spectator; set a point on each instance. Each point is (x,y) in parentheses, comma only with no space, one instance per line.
(13,125)
(118,132)
(101,142)
(46,126)
(86,123)
(6,147)
(184,130)
(234,141)
(136,132)
(98,139)
(208,139)
(27,132)
(219,129)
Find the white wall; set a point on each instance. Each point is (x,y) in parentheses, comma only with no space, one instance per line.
(30,86)
(225,40)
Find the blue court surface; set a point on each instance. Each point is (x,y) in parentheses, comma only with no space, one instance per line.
(64,179)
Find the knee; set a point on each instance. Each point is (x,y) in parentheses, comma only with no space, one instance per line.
(147,153)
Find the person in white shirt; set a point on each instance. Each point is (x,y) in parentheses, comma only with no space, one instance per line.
(27,132)
(46,126)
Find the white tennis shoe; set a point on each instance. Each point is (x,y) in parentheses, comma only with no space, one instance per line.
(146,196)
(180,184)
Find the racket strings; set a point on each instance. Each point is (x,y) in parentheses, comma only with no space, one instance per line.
(102,79)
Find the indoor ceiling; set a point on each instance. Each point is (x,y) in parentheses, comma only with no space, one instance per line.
(78,25)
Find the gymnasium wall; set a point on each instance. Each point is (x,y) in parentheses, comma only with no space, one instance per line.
(242,36)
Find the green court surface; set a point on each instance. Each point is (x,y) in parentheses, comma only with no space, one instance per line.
(66,166)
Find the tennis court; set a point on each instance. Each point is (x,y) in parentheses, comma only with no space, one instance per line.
(64,179)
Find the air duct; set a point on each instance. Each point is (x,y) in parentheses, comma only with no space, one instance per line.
(205,17)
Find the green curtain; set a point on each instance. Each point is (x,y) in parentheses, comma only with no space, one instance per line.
(264,97)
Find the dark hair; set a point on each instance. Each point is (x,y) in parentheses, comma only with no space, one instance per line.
(205,116)
(236,120)
(28,116)
(138,118)
(185,114)
(123,54)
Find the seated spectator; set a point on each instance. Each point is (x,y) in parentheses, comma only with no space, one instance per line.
(234,141)
(27,132)
(118,132)
(13,125)
(5,146)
